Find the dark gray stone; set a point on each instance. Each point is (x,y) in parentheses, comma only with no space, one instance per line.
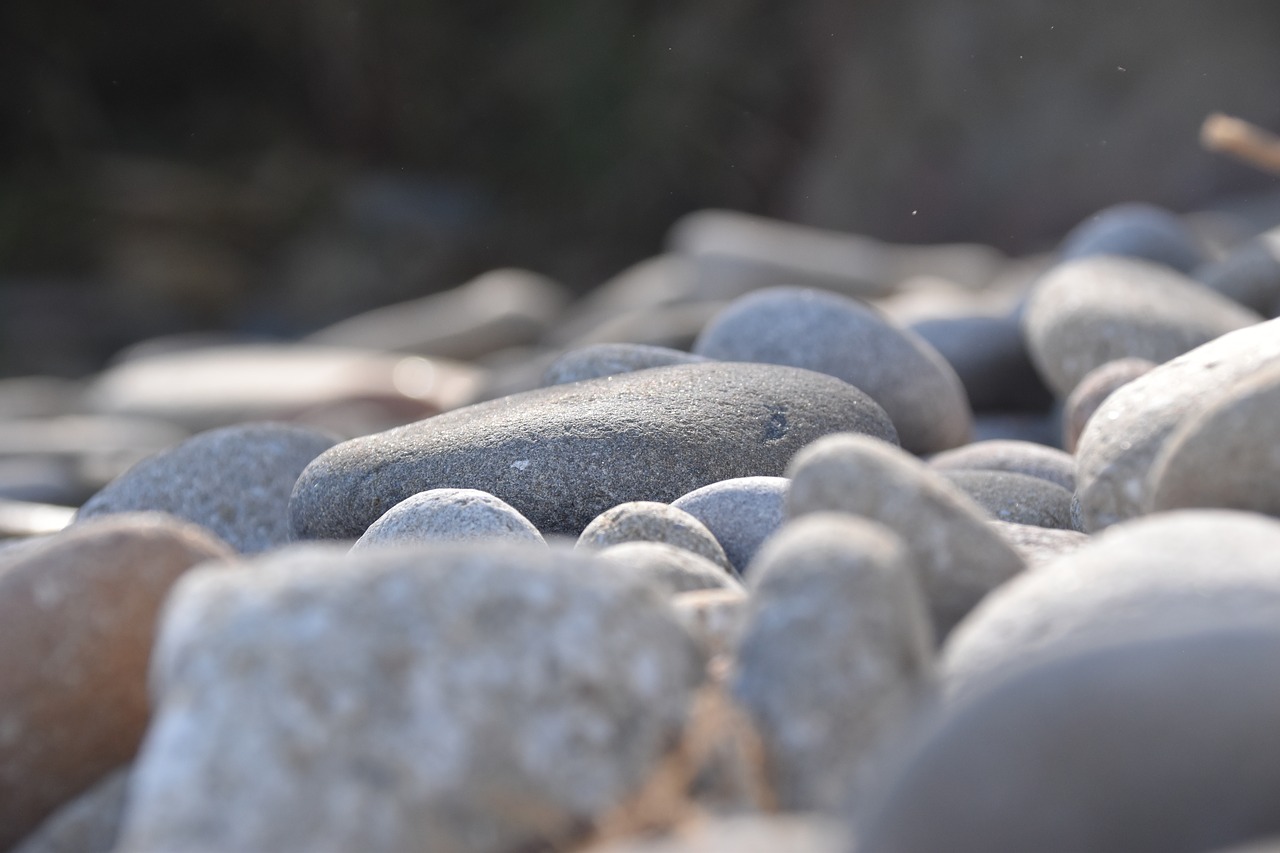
(1158,746)
(1085,313)
(1019,498)
(848,339)
(650,521)
(1039,545)
(482,697)
(563,455)
(1122,439)
(990,356)
(836,645)
(670,567)
(741,512)
(596,360)
(1249,274)
(1095,387)
(958,556)
(235,481)
(1020,457)
(1135,230)
(448,515)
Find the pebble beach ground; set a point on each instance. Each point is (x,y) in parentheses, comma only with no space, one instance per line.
(783,540)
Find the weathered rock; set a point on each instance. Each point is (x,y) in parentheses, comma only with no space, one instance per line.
(845,338)
(1124,436)
(1085,313)
(489,698)
(744,834)
(990,356)
(650,521)
(1019,457)
(88,824)
(1225,455)
(448,515)
(563,455)
(1135,230)
(1019,498)
(670,567)
(1249,274)
(596,360)
(1095,387)
(742,512)
(1171,572)
(958,556)
(235,481)
(1039,545)
(836,644)
(79,611)
(1157,745)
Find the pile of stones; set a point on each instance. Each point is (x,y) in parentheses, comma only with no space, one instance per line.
(781,540)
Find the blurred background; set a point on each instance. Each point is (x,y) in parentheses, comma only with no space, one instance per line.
(272,167)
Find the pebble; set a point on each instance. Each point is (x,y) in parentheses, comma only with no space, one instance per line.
(1018,457)
(714,615)
(745,834)
(448,515)
(1014,497)
(234,481)
(1162,744)
(1248,274)
(1169,572)
(1225,454)
(563,455)
(958,556)
(1095,387)
(597,360)
(88,824)
(836,646)
(651,521)
(1087,312)
(741,512)
(487,698)
(670,567)
(1124,436)
(990,356)
(78,611)
(842,337)
(1135,230)
(1039,545)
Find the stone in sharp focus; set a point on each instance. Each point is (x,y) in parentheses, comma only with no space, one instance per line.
(742,512)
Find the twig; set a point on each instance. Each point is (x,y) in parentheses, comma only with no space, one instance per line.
(1242,140)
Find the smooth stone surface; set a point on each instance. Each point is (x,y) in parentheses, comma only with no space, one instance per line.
(670,567)
(715,616)
(1096,386)
(848,339)
(484,697)
(1122,439)
(651,521)
(1085,313)
(1136,230)
(744,834)
(1019,457)
(1248,274)
(235,481)
(958,556)
(741,512)
(1170,572)
(1039,545)
(836,645)
(597,360)
(563,455)
(501,308)
(1227,454)
(1018,498)
(990,356)
(88,824)
(448,515)
(78,612)
(1159,746)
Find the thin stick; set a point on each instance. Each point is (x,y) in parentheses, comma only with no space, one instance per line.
(1242,140)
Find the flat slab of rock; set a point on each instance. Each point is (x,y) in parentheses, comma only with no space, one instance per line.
(563,455)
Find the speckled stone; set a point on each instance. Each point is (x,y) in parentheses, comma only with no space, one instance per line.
(488,698)
(1019,498)
(563,455)
(651,521)
(1019,457)
(88,824)
(843,337)
(1122,439)
(1039,545)
(1085,313)
(670,567)
(958,556)
(449,515)
(742,512)
(1136,230)
(234,481)
(597,360)
(1095,387)
(836,644)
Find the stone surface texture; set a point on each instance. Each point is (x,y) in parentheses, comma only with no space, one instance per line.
(742,512)
(651,521)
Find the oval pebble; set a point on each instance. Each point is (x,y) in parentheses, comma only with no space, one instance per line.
(1019,498)
(1019,457)
(1085,313)
(1124,436)
(742,512)
(842,337)
(959,557)
(836,644)
(670,567)
(563,455)
(597,360)
(651,521)
(1096,386)
(1136,230)
(448,515)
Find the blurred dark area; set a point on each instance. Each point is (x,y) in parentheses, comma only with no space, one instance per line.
(272,167)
